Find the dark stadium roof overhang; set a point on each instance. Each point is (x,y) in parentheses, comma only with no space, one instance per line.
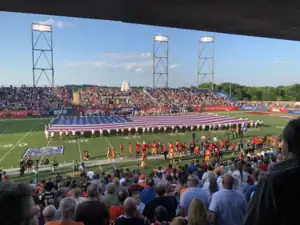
(264,18)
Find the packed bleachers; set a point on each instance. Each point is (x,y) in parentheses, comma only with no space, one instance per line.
(27,98)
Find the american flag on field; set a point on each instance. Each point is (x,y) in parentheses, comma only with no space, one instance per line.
(119,122)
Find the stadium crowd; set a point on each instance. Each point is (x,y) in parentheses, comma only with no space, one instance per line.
(255,189)
(179,97)
(31,98)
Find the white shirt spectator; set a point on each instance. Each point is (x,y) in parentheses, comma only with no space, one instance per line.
(90,174)
(240,180)
(189,195)
(230,207)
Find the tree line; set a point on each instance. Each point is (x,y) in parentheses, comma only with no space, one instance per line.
(250,93)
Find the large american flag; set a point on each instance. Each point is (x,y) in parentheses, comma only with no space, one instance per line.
(119,122)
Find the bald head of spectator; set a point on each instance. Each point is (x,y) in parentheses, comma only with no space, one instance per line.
(291,139)
(122,195)
(93,191)
(130,207)
(228,182)
(49,213)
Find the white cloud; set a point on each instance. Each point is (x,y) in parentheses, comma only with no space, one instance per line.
(281,62)
(56,23)
(174,65)
(125,55)
(139,70)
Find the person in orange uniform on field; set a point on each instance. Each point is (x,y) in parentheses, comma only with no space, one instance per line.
(206,156)
(196,151)
(172,154)
(113,152)
(184,148)
(138,149)
(86,155)
(233,148)
(144,158)
(130,149)
(108,153)
(179,150)
(121,151)
(154,150)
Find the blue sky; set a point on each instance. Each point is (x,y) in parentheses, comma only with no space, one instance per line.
(106,53)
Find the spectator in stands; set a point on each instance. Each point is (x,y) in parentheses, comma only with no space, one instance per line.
(17,205)
(118,210)
(110,197)
(212,188)
(49,213)
(197,213)
(148,194)
(161,216)
(93,192)
(129,217)
(227,205)
(192,193)
(169,202)
(67,210)
(76,195)
(277,194)
(92,212)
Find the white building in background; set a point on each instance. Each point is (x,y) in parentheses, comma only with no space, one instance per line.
(125,86)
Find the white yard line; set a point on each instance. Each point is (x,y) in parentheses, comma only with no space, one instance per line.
(79,150)
(13,147)
(109,143)
(46,146)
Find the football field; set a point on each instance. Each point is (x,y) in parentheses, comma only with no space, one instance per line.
(17,135)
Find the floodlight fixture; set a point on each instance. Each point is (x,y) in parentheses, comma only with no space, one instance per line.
(160,38)
(207,39)
(41,27)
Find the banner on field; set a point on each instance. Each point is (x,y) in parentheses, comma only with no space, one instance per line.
(282,110)
(216,108)
(63,111)
(254,108)
(294,111)
(18,113)
(45,151)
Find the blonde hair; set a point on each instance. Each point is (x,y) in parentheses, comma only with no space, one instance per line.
(197,213)
(179,221)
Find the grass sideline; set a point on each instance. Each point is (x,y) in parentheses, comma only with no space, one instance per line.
(16,136)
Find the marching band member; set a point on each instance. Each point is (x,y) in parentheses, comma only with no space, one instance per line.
(172,154)
(165,129)
(86,155)
(148,129)
(108,131)
(136,131)
(144,129)
(144,159)
(121,151)
(82,133)
(52,134)
(179,149)
(73,132)
(113,152)
(203,127)
(101,132)
(93,132)
(206,156)
(108,153)
(60,134)
(154,150)
(130,149)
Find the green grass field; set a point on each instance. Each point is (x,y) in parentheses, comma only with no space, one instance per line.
(17,135)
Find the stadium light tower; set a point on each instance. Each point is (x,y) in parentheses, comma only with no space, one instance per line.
(206,59)
(42,53)
(160,60)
